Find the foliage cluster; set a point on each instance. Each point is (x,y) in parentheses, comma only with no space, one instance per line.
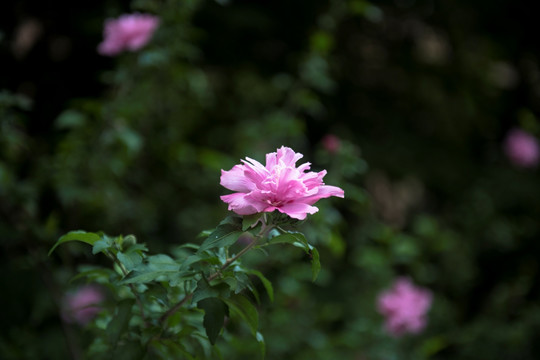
(425,89)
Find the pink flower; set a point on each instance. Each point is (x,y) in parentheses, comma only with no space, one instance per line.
(331,143)
(522,148)
(405,307)
(130,32)
(279,185)
(83,305)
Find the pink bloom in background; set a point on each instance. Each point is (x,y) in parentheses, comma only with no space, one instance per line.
(522,148)
(279,185)
(404,306)
(130,32)
(331,143)
(83,305)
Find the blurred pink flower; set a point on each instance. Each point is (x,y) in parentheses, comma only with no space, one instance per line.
(404,307)
(279,185)
(331,143)
(130,32)
(82,305)
(522,148)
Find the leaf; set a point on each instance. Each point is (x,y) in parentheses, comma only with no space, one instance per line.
(241,306)
(224,235)
(298,239)
(95,274)
(215,311)
(119,322)
(249,221)
(266,283)
(291,237)
(78,235)
(154,267)
(130,260)
(315,263)
(104,243)
(205,290)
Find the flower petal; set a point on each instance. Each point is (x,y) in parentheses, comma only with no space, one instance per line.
(240,203)
(297,210)
(287,156)
(324,192)
(235,179)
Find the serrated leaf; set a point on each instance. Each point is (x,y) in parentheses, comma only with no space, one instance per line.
(245,309)
(119,322)
(78,235)
(266,283)
(215,311)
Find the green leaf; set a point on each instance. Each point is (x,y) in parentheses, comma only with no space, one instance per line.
(95,275)
(291,237)
(130,260)
(205,290)
(153,267)
(104,243)
(224,235)
(249,221)
(78,235)
(241,306)
(298,239)
(315,263)
(119,322)
(215,311)
(266,283)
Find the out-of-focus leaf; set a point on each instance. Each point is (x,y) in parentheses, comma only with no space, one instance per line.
(78,235)
(119,322)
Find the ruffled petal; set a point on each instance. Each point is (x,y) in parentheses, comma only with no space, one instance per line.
(240,203)
(324,192)
(287,156)
(297,210)
(235,180)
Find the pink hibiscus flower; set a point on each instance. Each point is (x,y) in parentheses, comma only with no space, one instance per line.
(522,148)
(130,32)
(331,143)
(279,185)
(82,305)
(404,306)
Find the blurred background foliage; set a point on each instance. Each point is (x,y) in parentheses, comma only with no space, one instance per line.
(422,91)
